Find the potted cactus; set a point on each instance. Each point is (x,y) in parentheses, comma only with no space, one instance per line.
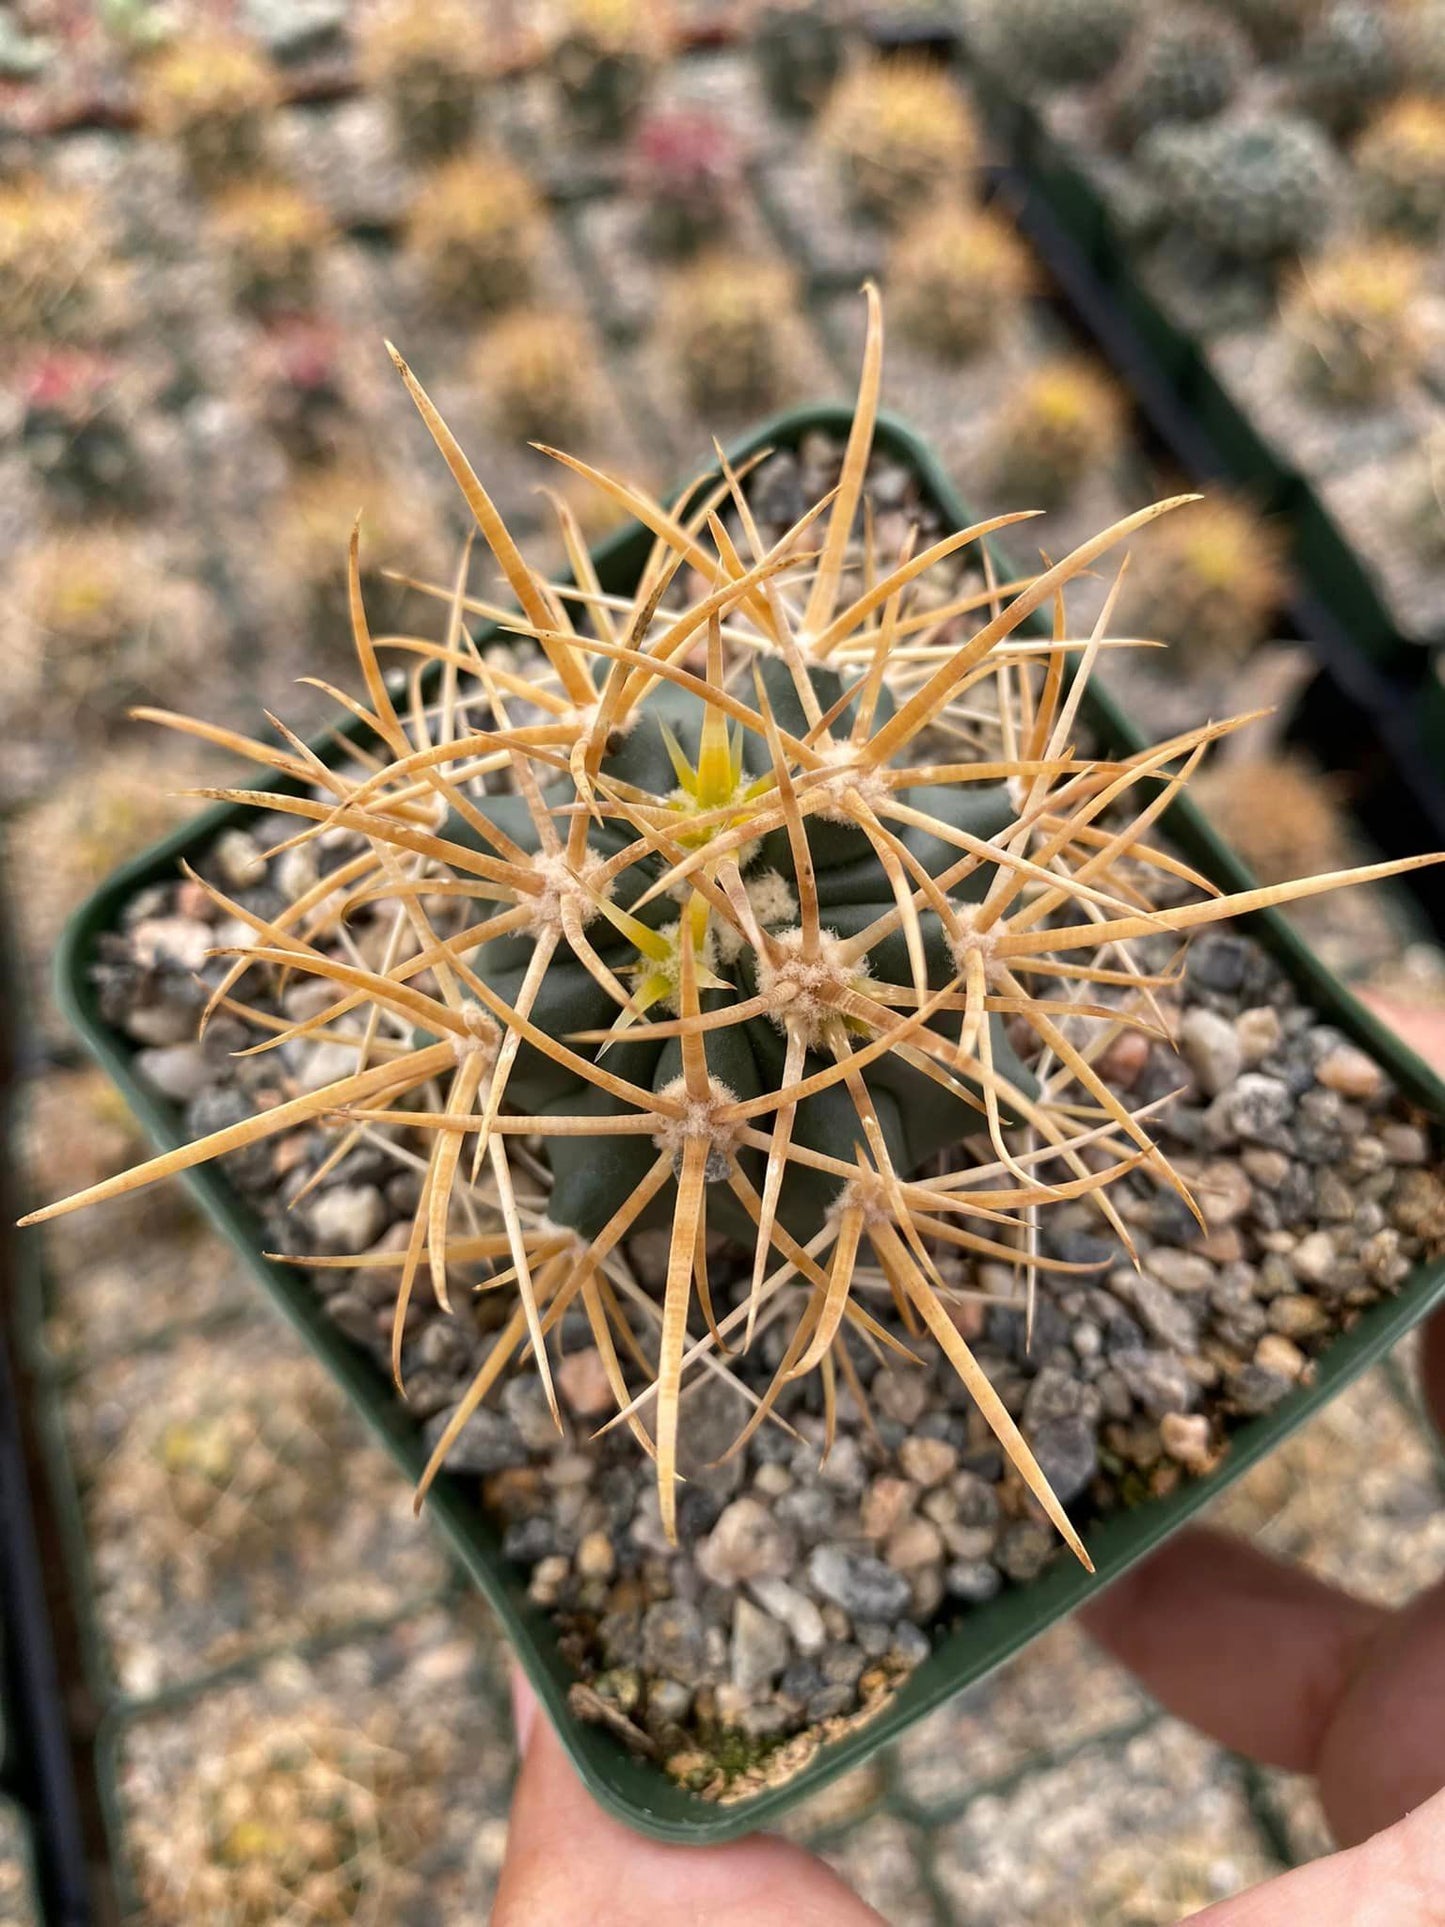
(750,968)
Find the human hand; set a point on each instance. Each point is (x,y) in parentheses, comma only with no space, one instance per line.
(1266,1659)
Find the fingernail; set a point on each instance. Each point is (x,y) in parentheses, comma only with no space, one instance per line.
(524,1710)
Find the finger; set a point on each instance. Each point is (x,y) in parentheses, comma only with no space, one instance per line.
(1383,1751)
(1396,1879)
(1255,1653)
(568,1862)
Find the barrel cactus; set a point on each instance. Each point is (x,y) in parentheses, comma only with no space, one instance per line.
(719,324)
(272,235)
(1250,188)
(1400,161)
(604,60)
(1274,26)
(799,47)
(1063,419)
(730,906)
(1210,581)
(538,369)
(211,92)
(1348,60)
(685,171)
(956,276)
(1353,321)
(1185,66)
(427,59)
(1058,42)
(899,132)
(474,234)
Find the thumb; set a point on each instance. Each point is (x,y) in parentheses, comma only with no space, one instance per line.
(568,1861)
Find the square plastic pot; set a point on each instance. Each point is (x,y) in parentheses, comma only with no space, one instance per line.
(975,1641)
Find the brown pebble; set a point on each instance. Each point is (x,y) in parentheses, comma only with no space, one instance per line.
(1350,1072)
(595,1556)
(885,1505)
(581,1380)
(1122,1064)
(929,1461)
(917,1542)
(1185,1437)
(1275,1353)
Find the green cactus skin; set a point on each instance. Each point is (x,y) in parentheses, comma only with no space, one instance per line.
(799,54)
(1058,42)
(1347,62)
(593,1176)
(1250,189)
(1186,66)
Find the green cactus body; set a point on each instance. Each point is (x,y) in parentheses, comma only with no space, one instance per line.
(1250,189)
(1186,67)
(428,57)
(799,52)
(1400,160)
(1275,26)
(1059,42)
(593,1176)
(1347,61)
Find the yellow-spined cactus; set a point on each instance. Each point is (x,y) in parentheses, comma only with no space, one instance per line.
(1400,160)
(292,1816)
(474,233)
(900,132)
(211,92)
(1354,323)
(604,60)
(272,235)
(1063,419)
(51,240)
(428,59)
(81,607)
(956,276)
(762,907)
(315,515)
(1209,581)
(1278,812)
(720,326)
(539,371)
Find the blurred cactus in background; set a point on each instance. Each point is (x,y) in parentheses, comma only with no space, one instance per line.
(685,170)
(538,370)
(899,132)
(474,235)
(428,59)
(720,326)
(1058,423)
(1352,318)
(1186,65)
(272,237)
(957,277)
(211,93)
(1250,188)
(75,430)
(1348,59)
(799,46)
(51,247)
(1400,159)
(604,60)
(1061,42)
(1209,581)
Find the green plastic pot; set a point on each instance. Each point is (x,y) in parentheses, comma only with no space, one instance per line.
(977,1640)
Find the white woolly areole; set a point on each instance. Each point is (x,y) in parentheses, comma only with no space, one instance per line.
(482,1034)
(772,902)
(803,992)
(846,773)
(561,883)
(699,1120)
(970,941)
(868,1196)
